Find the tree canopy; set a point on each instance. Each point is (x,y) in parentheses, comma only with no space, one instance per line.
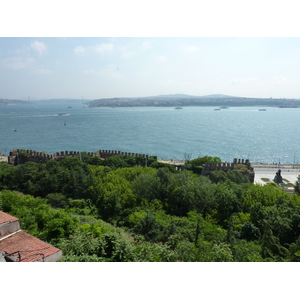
(120,209)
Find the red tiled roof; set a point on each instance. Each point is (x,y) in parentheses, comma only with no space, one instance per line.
(4,218)
(26,247)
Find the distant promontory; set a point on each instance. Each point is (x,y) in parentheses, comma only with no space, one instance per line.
(188,100)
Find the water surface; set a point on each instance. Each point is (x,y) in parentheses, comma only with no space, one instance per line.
(242,132)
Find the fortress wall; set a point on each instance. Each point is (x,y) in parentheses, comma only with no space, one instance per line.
(109,153)
(34,156)
(210,167)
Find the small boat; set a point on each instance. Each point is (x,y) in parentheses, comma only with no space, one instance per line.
(70,107)
(63,114)
(217,109)
(262,109)
(178,107)
(223,107)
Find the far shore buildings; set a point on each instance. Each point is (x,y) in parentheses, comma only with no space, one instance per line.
(18,246)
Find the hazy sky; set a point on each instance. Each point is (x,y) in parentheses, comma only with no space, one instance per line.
(93,68)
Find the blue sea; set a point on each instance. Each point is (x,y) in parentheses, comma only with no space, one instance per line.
(237,132)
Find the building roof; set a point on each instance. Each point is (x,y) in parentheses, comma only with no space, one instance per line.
(21,246)
(25,247)
(4,218)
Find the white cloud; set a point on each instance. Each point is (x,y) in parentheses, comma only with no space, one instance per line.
(176,83)
(18,62)
(113,72)
(79,50)
(162,58)
(42,71)
(39,47)
(104,48)
(190,49)
(243,80)
(127,53)
(146,45)
(110,71)
(90,71)
(279,79)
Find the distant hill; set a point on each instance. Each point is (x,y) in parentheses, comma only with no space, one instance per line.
(172,96)
(188,100)
(185,96)
(169,97)
(12,102)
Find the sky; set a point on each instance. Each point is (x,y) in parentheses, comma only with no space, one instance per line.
(113,50)
(93,68)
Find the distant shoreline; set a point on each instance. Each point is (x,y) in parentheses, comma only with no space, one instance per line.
(172,101)
(196,101)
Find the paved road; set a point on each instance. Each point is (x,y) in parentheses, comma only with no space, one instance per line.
(289,175)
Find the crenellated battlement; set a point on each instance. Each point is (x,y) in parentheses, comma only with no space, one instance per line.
(19,156)
(241,165)
(109,153)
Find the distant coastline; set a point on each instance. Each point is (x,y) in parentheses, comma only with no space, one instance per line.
(174,101)
(13,102)
(187,100)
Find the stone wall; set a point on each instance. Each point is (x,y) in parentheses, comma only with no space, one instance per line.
(17,157)
(210,167)
(109,153)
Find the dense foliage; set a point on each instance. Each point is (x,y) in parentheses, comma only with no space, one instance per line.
(120,209)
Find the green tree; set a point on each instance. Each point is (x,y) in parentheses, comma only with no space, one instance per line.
(247,251)
(266,195)
(196,164)
(115,162)
(227,203)
(57,200)
(115,195)
(221,253)
(294,251)
(82,243)
(250,232)
(271,247)
(205,195)
(297,185)
(149,227)
(147,186)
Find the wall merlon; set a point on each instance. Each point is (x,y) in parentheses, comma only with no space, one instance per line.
(36,156)
(209,167)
